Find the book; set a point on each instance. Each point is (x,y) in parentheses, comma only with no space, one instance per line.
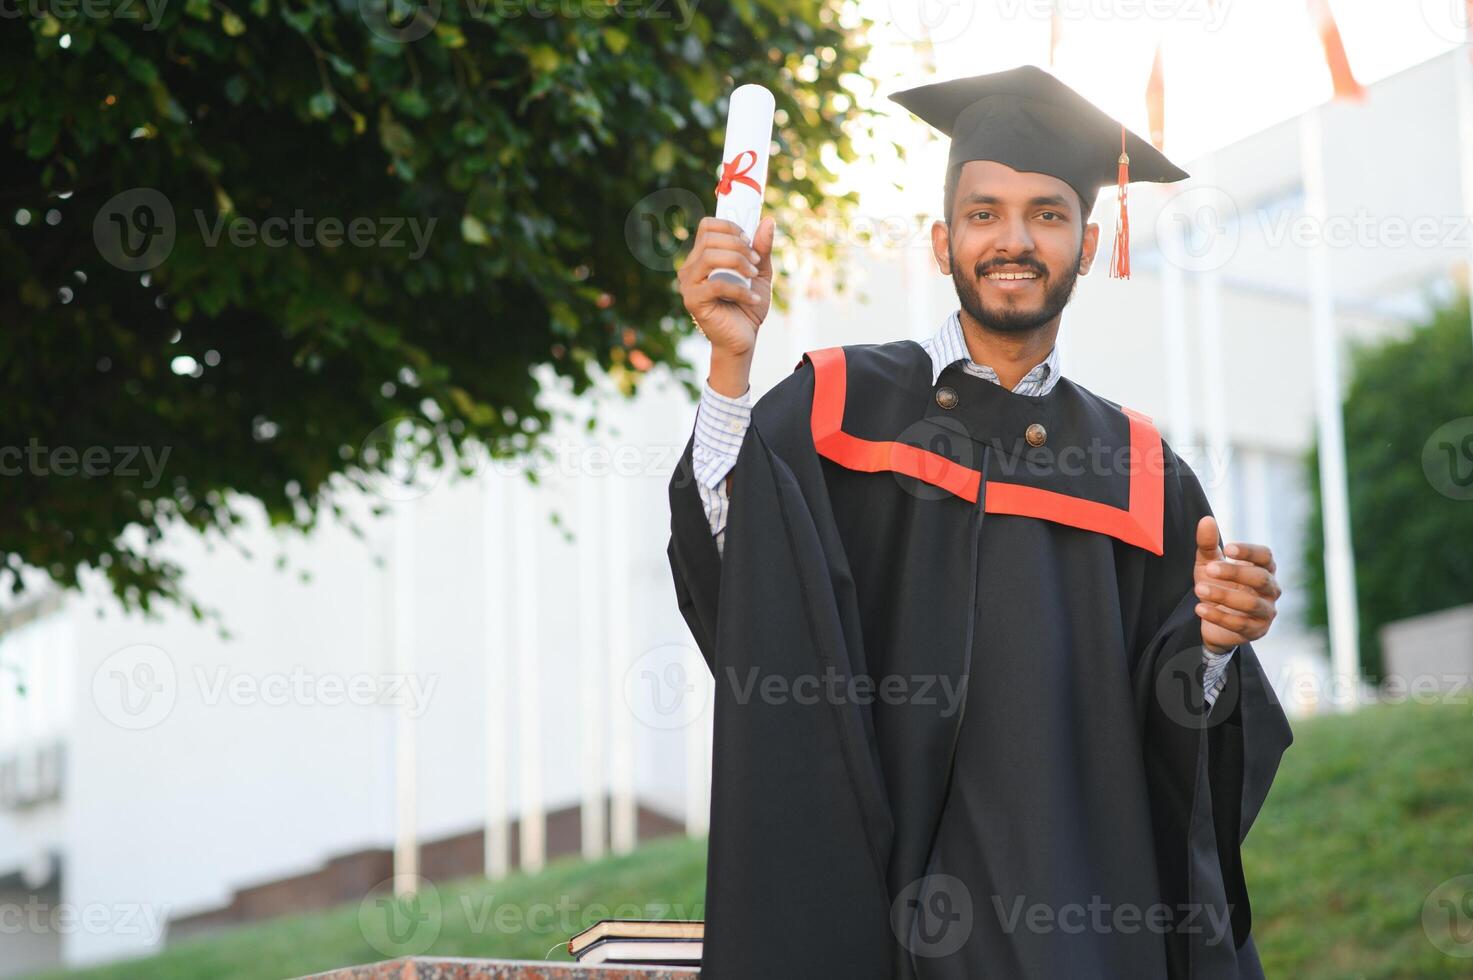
(642,952)
(661,942)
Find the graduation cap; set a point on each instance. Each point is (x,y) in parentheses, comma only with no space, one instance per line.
(1027,119)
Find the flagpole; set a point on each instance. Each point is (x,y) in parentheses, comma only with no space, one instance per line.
(1334,494)
(1463,80)
(592,666)
(623,804)
(406,755)
(496,832)
(1180,425)
(1214,392)
(532,822)
(1171,241)
(919,261)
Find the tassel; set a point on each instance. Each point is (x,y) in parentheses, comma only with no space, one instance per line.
(1120,259)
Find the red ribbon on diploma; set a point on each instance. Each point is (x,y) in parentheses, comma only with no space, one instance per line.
(733,172)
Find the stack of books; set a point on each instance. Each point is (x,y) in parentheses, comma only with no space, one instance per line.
(640,942)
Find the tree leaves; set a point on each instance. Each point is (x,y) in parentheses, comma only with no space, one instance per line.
(321,104)
(1410,537)
(452,206)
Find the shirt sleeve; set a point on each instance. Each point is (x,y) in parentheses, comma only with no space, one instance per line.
(721,424)
(1215,676)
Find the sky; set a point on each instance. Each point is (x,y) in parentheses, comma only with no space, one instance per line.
(1232,68)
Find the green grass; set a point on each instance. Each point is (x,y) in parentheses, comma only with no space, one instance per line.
(1368,815)
(519,917)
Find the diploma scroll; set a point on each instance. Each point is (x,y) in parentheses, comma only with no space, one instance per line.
(744,163)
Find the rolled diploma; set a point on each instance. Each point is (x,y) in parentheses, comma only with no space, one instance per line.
(744,161)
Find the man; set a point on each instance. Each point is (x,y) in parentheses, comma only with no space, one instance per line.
(987,704)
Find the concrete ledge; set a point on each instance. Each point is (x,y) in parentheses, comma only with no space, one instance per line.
(1434,650)
(438,968)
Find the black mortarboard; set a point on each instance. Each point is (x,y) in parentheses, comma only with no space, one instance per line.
(1027,119)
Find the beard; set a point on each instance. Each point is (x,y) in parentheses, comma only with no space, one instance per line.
(1012,315)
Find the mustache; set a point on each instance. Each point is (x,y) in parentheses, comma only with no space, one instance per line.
(1017,266)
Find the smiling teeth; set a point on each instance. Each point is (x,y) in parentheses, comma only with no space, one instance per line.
(1012,275)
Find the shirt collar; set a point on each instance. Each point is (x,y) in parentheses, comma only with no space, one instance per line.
(949,345)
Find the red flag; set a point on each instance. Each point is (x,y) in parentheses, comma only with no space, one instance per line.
(1156,101)
(1340,74)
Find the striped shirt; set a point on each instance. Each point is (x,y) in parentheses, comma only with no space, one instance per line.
(721,424)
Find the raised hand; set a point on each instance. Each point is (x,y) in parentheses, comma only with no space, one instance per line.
(1237,592)
(728,314)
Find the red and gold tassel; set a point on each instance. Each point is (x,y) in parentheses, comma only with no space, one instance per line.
(1120,259)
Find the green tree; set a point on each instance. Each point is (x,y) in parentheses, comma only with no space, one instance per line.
(1409,445)
(520,175)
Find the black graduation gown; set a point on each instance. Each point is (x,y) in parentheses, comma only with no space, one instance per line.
(959,724)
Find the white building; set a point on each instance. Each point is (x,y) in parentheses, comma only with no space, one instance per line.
(155,772)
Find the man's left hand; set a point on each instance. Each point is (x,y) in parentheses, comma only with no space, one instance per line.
(1236,592)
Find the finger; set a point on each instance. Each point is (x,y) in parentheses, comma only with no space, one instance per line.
(734,242)
(723,244)
(1258,554)
(1251,603)
(762,242)
(1207,539)
(1260,580)
(719,241)
(715,290)
(1246,627)
(721,226)
(724,258)
(1217,636)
